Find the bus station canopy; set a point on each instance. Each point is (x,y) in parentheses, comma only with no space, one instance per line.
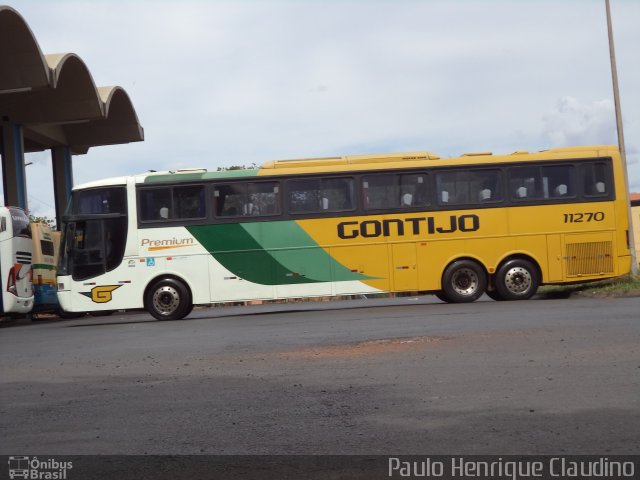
(54,97)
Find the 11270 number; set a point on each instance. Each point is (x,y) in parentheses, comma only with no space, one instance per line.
(583,217)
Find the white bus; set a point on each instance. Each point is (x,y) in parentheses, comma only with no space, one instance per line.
(15,262)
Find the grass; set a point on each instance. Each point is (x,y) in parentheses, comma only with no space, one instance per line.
(628,286)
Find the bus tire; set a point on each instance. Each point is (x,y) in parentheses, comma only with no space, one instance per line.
(442,297)
(517,279)
(464,281)
(168,299)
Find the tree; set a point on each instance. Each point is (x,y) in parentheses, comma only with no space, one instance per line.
(238,167)
(49,221)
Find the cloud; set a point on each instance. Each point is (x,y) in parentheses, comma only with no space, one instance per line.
(226,83)
(573,122)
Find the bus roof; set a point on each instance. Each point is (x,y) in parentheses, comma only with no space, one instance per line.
(352,163)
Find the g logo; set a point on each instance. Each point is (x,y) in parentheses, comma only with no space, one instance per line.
(101,294)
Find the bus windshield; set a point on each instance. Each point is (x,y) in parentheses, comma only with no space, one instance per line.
(95,234)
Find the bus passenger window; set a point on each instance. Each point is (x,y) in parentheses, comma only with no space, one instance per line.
(189,202)
(304,195)
(595,179)
(485,186)
(453,188)
(380,191)
(337,194)
(413,190)
(525,183)
(230,199)
(155,202)
(262,199)
(558,181)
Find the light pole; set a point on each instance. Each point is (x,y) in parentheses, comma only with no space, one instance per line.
(616,100)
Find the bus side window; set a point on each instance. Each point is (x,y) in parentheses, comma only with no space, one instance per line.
(379,191)
(189,202)
(230,199)
(3,224)
(304,195)
(263,199)
(413,190)
(525,183)
(337,194)
(485,186)
(155,204)
(595,179)
(558,181)
(453,188)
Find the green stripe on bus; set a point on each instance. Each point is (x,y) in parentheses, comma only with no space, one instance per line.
(293,248)
(197,176)
(271,253)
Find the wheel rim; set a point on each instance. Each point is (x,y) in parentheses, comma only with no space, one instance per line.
(166,300)
(518,280)
(465,281)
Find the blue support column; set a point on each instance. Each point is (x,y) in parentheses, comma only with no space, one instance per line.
(62,180)
(14,178)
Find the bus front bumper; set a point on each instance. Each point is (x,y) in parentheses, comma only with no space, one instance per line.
(64,296)
(13,304)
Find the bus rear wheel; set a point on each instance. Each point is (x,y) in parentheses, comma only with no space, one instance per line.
(442,296)
(168,299)
(463,281)
(517,279)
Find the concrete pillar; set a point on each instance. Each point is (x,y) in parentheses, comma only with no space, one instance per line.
(62,180)
(14,178)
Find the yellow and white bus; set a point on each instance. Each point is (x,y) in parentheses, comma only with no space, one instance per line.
(455,227)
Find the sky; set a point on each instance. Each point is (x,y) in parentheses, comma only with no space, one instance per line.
(221,83)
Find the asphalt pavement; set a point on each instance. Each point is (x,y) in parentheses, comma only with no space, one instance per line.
(407,375)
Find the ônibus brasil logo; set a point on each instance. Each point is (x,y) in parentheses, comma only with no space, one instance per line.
(32,468)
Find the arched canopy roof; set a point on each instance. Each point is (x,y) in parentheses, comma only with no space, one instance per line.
(54,96)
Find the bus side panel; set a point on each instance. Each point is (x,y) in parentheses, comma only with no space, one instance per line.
(231,286)
(369,260)
(170,252)
(554,256)
(575,236)
(404,266)
(18,267)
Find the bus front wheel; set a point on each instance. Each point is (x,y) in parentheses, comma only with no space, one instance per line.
(463,281)
(168,299)
(517,280)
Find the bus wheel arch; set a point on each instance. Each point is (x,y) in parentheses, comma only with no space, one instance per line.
(464,280)
(168,297)
(517,277)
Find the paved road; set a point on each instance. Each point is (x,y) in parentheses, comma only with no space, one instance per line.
(401,376)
